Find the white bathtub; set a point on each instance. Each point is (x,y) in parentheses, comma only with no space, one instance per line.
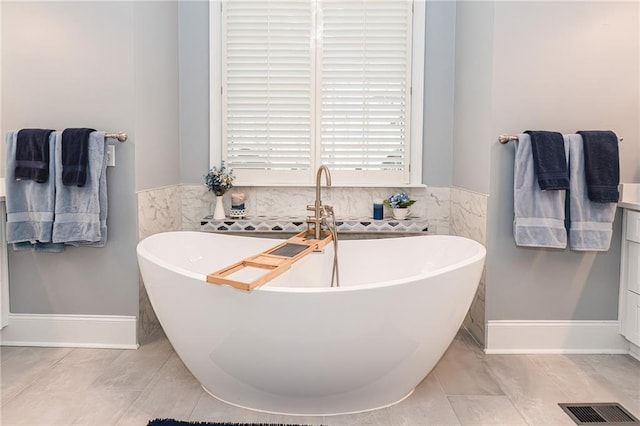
(298,346)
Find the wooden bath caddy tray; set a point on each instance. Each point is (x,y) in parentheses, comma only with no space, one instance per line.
(270,263)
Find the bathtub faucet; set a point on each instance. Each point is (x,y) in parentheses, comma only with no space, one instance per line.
(320,213)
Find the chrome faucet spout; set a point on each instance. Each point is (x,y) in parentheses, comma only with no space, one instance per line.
(317,207)
(327,175)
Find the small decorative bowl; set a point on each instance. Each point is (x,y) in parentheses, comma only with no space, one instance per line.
(237,213)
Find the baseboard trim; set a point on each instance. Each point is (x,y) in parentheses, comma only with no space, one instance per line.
(79,331)
(568,337)
(634,351)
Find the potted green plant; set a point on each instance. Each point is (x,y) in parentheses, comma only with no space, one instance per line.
(399,204)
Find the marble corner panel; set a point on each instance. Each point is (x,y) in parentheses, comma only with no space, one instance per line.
(438,210)
(197,202)
(469,219)
(159,210)
(469,214)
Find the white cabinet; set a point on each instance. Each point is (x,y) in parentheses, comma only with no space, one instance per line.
(632,230)
(632,318)
(629,307)
(4,275)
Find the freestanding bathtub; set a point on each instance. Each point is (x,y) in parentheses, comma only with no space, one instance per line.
(298,346)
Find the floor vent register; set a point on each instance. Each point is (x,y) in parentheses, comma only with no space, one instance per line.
(609,413)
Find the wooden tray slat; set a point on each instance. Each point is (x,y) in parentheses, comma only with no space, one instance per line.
(273,264)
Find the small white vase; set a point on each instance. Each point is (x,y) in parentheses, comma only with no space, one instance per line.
(218,211)
(401,213)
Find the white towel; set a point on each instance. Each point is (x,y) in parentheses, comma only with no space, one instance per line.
(539,215)
(591,224)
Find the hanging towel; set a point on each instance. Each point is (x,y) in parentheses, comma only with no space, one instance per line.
(75,152)
(549,159)
(539,215)
(591,223)
(602,165)
(32,155)
(81,212)
(30,205)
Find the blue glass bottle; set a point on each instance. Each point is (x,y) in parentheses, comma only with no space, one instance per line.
(378,212)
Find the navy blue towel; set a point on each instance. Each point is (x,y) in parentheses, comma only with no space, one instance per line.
(32,155)
(549,159)
(75,156)
(601,165)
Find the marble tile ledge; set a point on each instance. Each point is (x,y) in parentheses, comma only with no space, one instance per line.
(297,224)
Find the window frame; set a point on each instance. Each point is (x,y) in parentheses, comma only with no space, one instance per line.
(414,160)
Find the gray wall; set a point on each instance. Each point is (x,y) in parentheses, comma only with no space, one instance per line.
(155,85)
(565,66)
(112,66)
(194,90)
(473,103)
(440,38)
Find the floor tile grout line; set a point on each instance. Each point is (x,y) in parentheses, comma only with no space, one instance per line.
(202,394)
(502,387)
(142,391)
(511,398)
(156,374)
(444,392)
(610,384)
(35,379)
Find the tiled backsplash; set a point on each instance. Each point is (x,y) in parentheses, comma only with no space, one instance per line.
(432,204)
(298,224)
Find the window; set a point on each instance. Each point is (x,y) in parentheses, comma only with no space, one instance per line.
(299,83)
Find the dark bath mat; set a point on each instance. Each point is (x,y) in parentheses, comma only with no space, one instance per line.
(171,422)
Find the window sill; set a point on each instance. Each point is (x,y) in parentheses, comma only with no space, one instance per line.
(336,185)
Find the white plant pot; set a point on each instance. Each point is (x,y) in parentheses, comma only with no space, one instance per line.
(401,213)
(218,212)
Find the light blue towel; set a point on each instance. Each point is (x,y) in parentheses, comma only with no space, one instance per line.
(591,223)
(539,215)
(30,205)
(81,212)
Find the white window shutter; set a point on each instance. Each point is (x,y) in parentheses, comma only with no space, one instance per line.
(365,88)
(268,86)
(310,82)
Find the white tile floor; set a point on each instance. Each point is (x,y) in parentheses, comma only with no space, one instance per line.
(60,386)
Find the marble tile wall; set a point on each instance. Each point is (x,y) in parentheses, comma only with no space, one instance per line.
(159,210)
(432,203)
(438,214)
(469,219)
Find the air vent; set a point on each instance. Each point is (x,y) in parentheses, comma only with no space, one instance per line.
(609,413)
